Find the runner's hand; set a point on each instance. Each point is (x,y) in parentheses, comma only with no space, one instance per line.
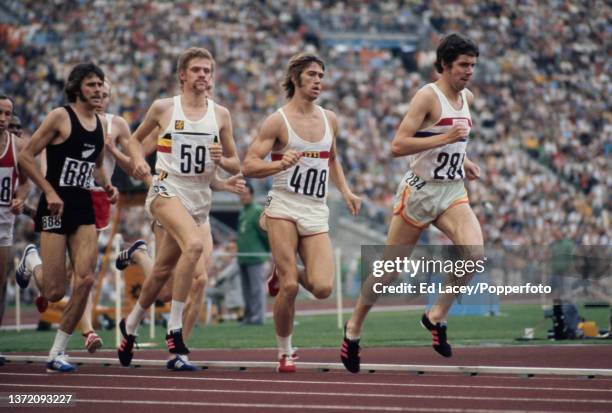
(16,206)
(55,205)
(235,184)
(216,152)
(472,171)
(290,158)
(141,170)
(353,202)
(112,193)
(457,132)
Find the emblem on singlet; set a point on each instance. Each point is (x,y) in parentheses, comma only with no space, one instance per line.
(179,124)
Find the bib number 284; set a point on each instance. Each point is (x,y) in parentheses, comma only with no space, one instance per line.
(312,182)
(455,166)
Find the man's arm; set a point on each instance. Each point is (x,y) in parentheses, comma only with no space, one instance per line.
(472,170)
(103,180)
(224,154)
(150,124)
(336,173)
(45,133)
(405,143)
(122,137)
(23,188)
(254,165)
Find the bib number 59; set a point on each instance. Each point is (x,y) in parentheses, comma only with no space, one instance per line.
(192,160)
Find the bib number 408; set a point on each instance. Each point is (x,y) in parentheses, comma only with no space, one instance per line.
(313,182)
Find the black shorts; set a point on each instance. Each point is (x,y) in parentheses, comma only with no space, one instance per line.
(73,217)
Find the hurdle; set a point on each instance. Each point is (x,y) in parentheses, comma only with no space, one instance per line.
(326,367)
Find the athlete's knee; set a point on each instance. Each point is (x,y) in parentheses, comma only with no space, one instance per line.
(194,249)
(473,253)
(322,291)
(54,293)
(84,282)
(161,271)
(165,296)
(199,283)
(289,287)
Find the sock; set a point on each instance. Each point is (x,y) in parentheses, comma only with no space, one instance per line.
(59,344)
(284,346)
(176,315)
(351,337)
(32,261)
(134,319)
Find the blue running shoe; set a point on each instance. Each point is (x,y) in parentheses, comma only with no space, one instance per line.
(23,273)
(125,256)
(60,364)
(181,363)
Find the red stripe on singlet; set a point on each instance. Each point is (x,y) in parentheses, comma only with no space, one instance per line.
(307,154)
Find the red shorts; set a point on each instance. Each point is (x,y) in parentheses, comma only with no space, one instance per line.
(102,209)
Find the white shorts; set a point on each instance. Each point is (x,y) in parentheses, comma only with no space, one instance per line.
(7,222)
(195,198)
(310,217)
(420,203)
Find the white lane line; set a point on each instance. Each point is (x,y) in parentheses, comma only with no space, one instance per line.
(331,394)
(316,407)
(301,382)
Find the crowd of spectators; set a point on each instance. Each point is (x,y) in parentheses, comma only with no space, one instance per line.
(542,114)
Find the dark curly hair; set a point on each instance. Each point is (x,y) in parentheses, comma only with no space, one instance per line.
(76,76)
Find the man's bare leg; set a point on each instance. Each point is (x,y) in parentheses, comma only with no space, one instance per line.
(400,234)
(4,254)
(284,240)
(462,227)
(196,295)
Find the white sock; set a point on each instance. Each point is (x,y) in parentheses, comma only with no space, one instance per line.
(134,319)
(352,337)
(176,315)
(59,344)
(32,261)
(284,345)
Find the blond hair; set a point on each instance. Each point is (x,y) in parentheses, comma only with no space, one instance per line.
(190,54)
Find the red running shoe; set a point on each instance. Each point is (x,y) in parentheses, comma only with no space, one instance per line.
(286,364)
(41,304)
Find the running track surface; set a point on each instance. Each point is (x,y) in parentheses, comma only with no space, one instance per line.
(152,389)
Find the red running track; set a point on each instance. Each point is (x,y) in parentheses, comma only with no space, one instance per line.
(152,390)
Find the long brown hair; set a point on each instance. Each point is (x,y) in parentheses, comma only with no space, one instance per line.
(297,64)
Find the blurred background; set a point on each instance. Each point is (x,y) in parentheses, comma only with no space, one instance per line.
(542,130)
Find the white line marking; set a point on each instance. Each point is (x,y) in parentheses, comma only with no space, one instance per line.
(331,394)
(318,407)
(290,381)
(338,366)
